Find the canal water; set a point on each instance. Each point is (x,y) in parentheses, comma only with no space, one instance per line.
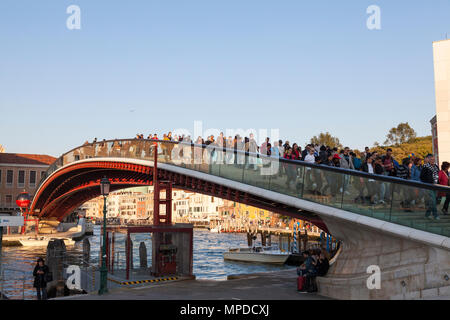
(209,247)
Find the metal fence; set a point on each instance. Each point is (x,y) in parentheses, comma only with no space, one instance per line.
(16,284)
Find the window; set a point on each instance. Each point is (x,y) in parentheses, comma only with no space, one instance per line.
(21,179)
(9,177)
(32,178)
(8,199)
(42,174)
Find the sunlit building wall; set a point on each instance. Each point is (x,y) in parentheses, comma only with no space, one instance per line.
(441,54)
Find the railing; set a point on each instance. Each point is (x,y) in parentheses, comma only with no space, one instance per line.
(89,278)
(13,286)
(18,284)
(403,202)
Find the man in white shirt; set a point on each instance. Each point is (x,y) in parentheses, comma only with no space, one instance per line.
(281,148)
(310,158)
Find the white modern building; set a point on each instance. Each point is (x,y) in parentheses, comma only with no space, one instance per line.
(441,123)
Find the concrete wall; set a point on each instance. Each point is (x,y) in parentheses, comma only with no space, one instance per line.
(409,269)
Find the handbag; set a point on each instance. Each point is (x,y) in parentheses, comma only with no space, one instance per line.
(49,277)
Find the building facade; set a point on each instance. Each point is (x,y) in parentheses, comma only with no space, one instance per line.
(441,55)
(19,173)
(135,206)
(126,206)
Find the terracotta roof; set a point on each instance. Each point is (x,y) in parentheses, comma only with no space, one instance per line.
(19,158)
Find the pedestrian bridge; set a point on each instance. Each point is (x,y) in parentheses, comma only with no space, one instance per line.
(381,220)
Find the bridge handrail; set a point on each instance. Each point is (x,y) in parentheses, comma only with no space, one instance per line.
(412,183)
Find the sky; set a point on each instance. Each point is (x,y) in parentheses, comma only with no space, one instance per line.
(302,67)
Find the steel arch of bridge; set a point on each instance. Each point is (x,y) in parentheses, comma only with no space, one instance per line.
(68,188)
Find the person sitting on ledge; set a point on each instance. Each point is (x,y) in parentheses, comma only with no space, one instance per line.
(307,264)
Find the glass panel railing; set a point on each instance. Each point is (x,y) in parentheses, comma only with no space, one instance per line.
(322,187)
(254,174)
(288,180)
(366,196)
(232,171)
(403,202)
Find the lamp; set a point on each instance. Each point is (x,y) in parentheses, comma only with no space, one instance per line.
(105,186)
(104,189)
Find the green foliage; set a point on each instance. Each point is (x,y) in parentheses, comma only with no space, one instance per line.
(326,139)
(402,134)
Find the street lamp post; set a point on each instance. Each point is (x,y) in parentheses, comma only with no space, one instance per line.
(104,187)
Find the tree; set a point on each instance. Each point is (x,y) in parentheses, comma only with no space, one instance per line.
(420,147)
(402,134)
(326,139)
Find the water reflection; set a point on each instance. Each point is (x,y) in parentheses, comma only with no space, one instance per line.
(208,259)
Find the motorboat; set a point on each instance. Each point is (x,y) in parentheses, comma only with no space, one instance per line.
(42,241)
(257,254)
(215,230)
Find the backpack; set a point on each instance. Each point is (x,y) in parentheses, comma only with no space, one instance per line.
(357,163)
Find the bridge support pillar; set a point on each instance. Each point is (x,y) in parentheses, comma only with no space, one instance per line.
(164,250)
(160,218)
(408,269)
(263,241)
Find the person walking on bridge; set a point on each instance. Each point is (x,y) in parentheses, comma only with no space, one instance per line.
(40,274)
(430,174)
(443,180)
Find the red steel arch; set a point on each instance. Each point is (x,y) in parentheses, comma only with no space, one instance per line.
(71,186)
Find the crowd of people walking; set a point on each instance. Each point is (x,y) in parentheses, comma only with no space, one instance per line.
(374,192)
